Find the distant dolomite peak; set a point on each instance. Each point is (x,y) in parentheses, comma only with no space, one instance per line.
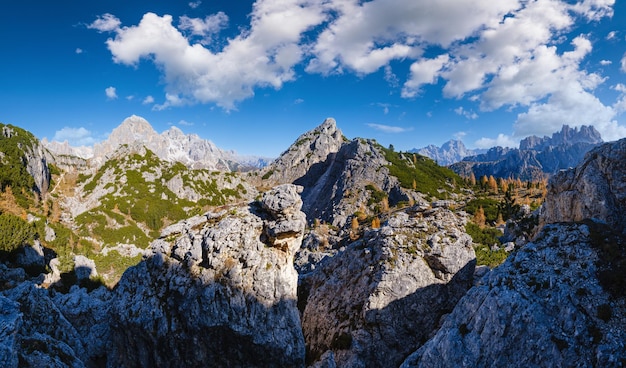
(171,145)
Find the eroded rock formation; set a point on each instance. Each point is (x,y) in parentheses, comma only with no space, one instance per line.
(381,298)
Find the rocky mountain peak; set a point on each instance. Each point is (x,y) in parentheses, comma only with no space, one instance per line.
(309,149)
(450,152)
(567,136)
(172,145)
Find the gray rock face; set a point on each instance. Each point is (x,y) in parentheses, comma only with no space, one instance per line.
(336,188)
(310,148)
(544,307)
(596,189)
(222,284)
(37,333)
(381,298)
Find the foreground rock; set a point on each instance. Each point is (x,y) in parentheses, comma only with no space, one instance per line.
(381,298)
(220,289)
(595,189)
(548,305)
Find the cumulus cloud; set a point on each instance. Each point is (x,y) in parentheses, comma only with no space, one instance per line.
(111,93)
(623,64)
(204,28)
(105,23)
(148,100)
(78,50)
(502,140)
(620,87)
(459,135)
(75,136)
(298,101)
(499,54)
(263,56)
(606,62)
(388,128)
(471,115)
(194,4)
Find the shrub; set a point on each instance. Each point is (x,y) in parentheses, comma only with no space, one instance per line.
(14,232)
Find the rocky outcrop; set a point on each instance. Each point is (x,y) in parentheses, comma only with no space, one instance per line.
(338,187)
(219,288)
(596,189)
(450,152)
(310,149)
(535,158)
(382,297)
(548,305)
(26,151)
(36,333)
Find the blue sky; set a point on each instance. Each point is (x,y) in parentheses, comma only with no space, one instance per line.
(253,75)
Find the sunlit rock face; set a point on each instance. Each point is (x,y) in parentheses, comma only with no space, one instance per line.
(219,288)
(595,189)
(381,298)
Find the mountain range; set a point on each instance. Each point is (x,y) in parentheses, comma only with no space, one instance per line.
(450,152)
(340,252)
(535,158)
(172,145)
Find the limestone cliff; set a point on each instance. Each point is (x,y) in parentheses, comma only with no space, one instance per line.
(382,297)
(222,284)
(595,189)
(546,306)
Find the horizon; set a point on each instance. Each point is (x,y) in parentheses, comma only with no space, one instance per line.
(240,74)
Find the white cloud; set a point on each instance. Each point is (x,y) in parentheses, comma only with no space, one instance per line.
(79,50)
(194,4)
(573,106)
(75,136)
(388,128)
(298,101)
(263,56)
(111,93)
(623,63)
(204,28)
(425,71)
(471,115)
(459,135)
(185,123)
(606,62)
(611,35)
(148,100)
(105,23)
(505,54)
(130,97)
(620,87)
(385,106)
(366,36)
(502,140)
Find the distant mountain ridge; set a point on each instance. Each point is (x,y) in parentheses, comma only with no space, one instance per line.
(172,145)
(450,152)
(536,157)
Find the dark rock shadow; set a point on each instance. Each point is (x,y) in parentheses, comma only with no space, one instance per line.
(163,316)
(377,337)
